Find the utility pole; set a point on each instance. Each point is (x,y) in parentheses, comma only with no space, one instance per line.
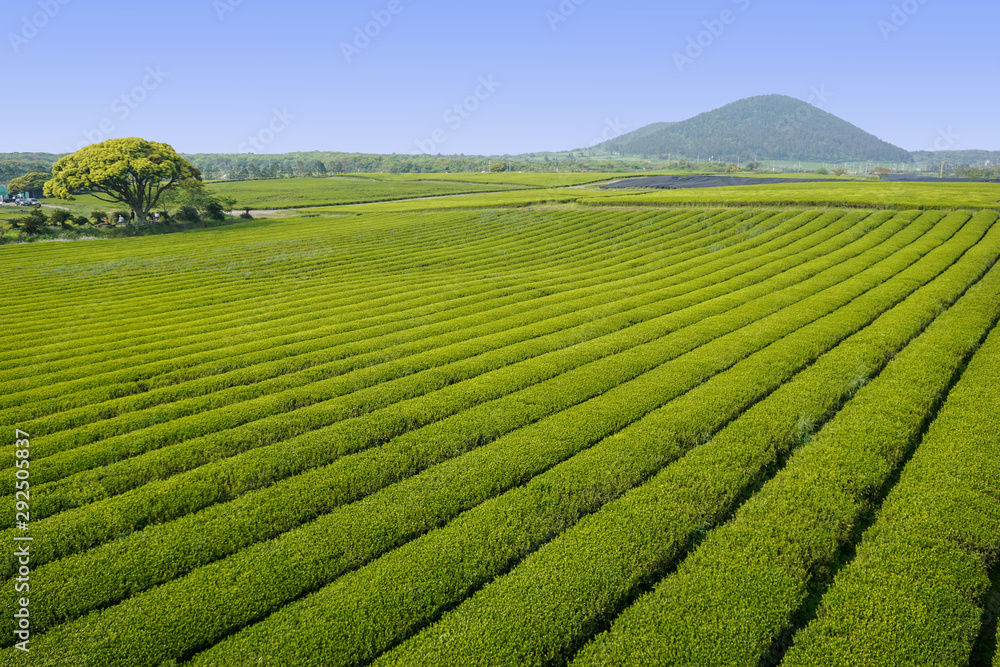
(942,168)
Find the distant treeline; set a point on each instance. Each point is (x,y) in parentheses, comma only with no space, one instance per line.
(248,166)
(241,167)
(959,158)
(289,165)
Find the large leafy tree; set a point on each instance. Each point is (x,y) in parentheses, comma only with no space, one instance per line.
(133,172)
(32,183)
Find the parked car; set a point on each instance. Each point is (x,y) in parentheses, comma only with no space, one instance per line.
(34,202)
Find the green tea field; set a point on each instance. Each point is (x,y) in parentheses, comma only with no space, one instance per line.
(479,431)
(858,194)
(299,192)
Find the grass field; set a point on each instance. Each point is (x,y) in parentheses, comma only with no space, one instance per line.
(541,180)
(9,212)
(514,199)
(327,195)
(302,192)
(849,194)
(310,192)
(483,431)
(79,205)
(856,194)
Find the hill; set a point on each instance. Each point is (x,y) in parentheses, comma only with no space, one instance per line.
(764,128)
(15,165)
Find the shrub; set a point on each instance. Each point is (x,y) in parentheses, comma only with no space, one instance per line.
(188,214)
(33,223)
(214,211)
(61,217)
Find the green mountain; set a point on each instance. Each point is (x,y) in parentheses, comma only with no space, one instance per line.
(769,127)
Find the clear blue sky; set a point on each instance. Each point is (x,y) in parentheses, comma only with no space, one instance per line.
(207,75)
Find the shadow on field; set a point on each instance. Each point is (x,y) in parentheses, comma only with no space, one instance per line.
(984,651)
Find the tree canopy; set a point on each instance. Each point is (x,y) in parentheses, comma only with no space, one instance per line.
(32,183)
(132,171)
